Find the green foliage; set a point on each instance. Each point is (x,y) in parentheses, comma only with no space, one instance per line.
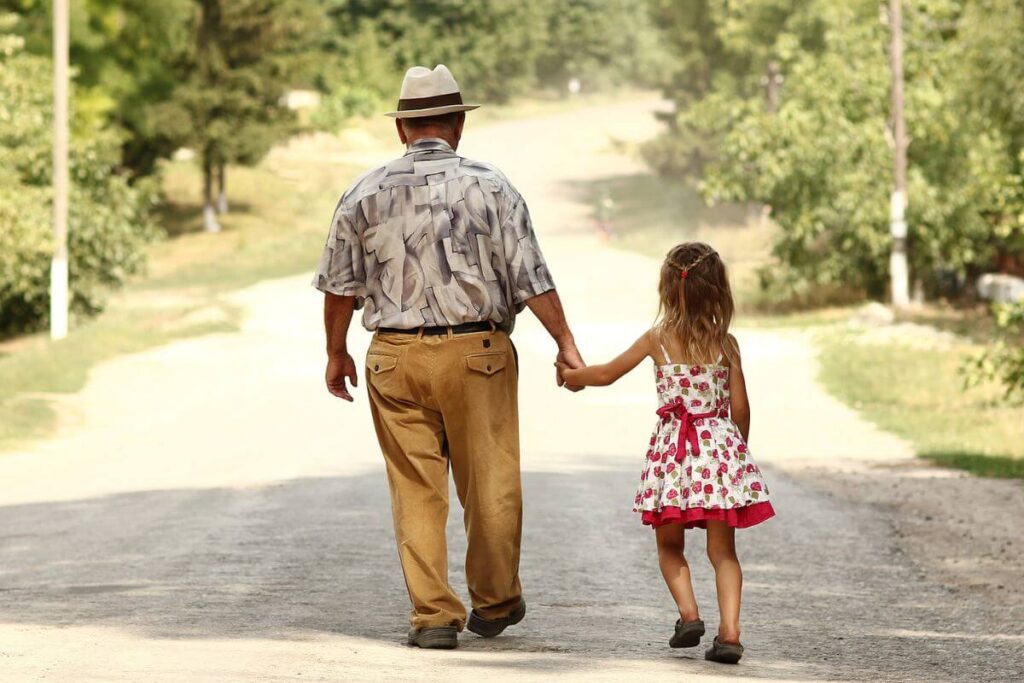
(496,49)
(341,104)
(787,104)
(1003,360)
(108,222)
(228,102)
(603,43)
(123,53)
(162,71)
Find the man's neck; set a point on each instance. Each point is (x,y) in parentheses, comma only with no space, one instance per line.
(431,137)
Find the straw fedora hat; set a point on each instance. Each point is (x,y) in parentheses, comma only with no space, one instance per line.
(429,93)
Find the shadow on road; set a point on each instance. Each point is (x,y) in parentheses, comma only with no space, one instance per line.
(315,556)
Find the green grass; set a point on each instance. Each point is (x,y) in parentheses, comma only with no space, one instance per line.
(919,395)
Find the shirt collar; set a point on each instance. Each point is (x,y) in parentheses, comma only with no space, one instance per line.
(429,145)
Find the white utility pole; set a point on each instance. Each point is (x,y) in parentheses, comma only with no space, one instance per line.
(898,270)
(61,135)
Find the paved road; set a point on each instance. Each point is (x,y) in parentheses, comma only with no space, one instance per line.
(207,513)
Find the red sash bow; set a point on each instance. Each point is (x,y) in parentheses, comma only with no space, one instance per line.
(678,409)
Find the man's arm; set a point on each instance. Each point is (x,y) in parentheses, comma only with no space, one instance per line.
(548,309)
(337,318)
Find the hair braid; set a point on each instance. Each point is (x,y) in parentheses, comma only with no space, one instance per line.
(696,302)
(685,270)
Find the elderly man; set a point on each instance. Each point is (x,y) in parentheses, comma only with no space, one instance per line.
(440,253)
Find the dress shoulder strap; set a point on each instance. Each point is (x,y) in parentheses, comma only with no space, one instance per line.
(664,353)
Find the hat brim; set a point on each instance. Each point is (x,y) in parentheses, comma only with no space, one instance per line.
(431,111)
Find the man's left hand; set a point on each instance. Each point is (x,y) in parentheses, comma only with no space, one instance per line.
(570,356)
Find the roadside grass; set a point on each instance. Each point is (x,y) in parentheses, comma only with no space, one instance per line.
(919,394)
(276,227)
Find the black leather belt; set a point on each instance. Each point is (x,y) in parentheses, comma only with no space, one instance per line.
(464,328)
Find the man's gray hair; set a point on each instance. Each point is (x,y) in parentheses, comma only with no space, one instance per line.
(446,121)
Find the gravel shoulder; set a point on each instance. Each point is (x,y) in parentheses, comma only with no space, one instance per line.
(962,531)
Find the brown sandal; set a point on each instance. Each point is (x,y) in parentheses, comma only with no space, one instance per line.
(687,634)
(724,653)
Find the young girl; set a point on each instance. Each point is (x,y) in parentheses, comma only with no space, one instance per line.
(698,471)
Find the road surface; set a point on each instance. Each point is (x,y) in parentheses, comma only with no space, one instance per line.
(208,513)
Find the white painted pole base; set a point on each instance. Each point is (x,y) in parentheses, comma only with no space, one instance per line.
(210,223)
(59,298)
(900,279)
(899,272)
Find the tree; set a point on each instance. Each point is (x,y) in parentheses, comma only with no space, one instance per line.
(497,49)
(229,102)
(1003,360)
(123,53)
(491,46)
(109,222)
(603,43)
(820,157)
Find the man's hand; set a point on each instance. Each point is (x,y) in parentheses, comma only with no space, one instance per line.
(338,368)
(548,309)
(569,356)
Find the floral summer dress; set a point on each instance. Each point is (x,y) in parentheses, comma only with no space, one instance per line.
(698,466)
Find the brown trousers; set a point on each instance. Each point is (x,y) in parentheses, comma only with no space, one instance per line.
(440,401)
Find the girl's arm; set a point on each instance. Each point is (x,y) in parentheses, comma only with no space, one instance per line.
(603,375)
(739,406)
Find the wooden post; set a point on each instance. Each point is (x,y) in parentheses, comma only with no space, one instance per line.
(899,271)
(61,134)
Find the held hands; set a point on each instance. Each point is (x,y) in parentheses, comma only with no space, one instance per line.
(568,359)
(338,368)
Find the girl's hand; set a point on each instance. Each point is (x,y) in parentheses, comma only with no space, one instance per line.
(566,372)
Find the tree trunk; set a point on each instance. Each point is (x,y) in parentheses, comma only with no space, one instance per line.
(222,195)
(210,223)
(898,269)
(772,80)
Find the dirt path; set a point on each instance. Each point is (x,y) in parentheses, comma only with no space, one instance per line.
(207,512)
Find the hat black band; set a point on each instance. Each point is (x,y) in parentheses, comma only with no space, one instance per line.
(414,103)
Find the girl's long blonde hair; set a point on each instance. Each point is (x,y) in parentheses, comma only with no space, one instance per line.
(696,305)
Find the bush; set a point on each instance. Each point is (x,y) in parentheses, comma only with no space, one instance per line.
(1003,361)
(342,104)
(109,219)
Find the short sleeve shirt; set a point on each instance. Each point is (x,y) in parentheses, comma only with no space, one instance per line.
(433,239)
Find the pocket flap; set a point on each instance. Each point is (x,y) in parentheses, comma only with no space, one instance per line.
(378,362)
(487,363)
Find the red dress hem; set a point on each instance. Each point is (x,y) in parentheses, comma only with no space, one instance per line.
(697,517)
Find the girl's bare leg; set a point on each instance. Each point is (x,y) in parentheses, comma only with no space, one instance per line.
(728,578)
(675,569)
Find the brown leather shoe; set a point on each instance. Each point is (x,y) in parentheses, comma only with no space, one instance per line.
(434,638)
(488,628)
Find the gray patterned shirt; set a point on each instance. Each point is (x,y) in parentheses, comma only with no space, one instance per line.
(431,239)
